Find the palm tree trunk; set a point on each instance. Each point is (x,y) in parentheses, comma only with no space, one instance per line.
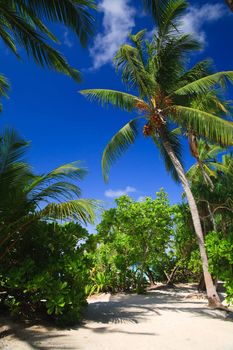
(212,295)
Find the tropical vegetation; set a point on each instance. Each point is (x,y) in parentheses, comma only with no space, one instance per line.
(168,95)
(37,250)
(50,263)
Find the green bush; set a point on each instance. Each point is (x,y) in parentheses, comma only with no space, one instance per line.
(220,252)
(47,273)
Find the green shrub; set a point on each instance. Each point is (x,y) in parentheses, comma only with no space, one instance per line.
(47,273)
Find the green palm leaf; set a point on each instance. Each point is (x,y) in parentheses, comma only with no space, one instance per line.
(134,74)
(82,210)
(72,13)
(22,23)
(204,124)
(4,86)
(204,84)
(34,43)
(59,191)
(172,137)
(118,99)
(118,145)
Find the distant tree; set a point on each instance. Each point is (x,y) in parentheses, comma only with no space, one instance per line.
(168,94)
(133,242)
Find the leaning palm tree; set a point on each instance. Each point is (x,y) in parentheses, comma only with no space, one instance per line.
(168,94)
(26,198)
(23,23)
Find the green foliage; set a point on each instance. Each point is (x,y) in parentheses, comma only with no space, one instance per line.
(124,137)
(133,242)
(184,246)
(220,252)
(43,268)
(22,193)
(47,273)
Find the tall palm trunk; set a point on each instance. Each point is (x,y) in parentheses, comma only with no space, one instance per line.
(212,294)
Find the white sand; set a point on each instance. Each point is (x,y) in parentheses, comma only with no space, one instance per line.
(160,320)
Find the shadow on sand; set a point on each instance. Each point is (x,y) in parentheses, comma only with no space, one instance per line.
(136,308)
(131,309)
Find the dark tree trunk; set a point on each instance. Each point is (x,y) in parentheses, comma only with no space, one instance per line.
(201,285)
(150,275)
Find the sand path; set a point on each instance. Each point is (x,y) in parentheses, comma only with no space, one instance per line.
(159,320)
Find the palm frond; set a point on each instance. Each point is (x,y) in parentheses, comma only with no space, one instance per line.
(138,41)
(118,99)
(203,85)
(170,58)
(211,102)
(207,125)
(171,16)
(130,62)
(198,71)
(172,136)
(12,149)
(73,14)
(82,210)
(166,13)
(71,171)
(58,191)
(26,34)
(8,40)
(118,145)
(4,86)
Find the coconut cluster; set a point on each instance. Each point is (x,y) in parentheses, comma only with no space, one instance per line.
(155,123)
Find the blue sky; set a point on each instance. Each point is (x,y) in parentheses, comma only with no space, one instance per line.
(46,109)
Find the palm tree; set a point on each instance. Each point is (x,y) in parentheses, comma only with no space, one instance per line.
(168,95)
(207,163)
(22,23)
(218,203)
(26,198)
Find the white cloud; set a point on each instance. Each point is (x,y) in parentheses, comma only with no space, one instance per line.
(117,193)
(196,17)
(118,21)
(67,40)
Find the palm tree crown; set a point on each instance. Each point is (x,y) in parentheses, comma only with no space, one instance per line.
(167,94)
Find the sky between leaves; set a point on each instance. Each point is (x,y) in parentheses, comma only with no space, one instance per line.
(45,107)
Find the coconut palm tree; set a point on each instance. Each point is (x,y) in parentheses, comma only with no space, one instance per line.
(167,94)
(26,198)
(22,23)
(205,168)
(218,202)
(207,163)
